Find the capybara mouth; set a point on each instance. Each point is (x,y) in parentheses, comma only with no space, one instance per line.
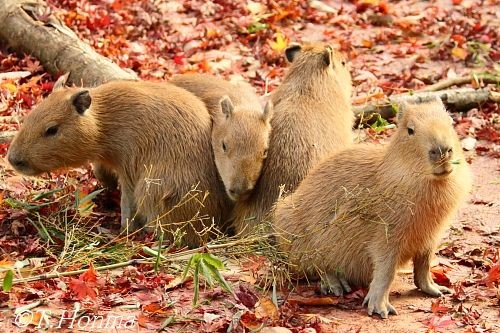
(442,170)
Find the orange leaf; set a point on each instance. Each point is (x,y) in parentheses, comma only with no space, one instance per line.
(436,307)
(280,44)
(265,308)
(367,43)
(439,276)
(156,308)
(250,321)
(459,53)
(82,289)
(6,263)
(90,275)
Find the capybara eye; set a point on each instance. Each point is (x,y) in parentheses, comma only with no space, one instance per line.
(52,130)
(343,62)
(224,148)
(411,131)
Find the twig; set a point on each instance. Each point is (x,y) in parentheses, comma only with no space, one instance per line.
(456,81)
(80,271)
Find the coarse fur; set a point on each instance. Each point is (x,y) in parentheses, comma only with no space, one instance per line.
(312,119)
(368,209)
(240,133)
(155,136)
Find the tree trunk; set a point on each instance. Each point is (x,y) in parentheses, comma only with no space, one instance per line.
(54,45)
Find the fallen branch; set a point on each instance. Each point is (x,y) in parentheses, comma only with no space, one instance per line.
(56,46)
(460,99)
(456,81)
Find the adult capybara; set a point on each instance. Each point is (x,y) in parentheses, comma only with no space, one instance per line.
(154,136)
(367,210)
(312,119)
(240,133)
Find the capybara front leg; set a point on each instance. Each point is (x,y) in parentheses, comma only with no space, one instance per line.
(377,298)
(130,220)
(422,275)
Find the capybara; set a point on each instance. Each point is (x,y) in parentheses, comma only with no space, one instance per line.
(312,119)
(240,133)
(154,136)
(368,209)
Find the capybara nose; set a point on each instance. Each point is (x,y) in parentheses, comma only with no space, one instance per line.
(440,153)
(17,162)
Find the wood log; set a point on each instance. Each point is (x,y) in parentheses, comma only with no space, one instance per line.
(56,46)
(459,99)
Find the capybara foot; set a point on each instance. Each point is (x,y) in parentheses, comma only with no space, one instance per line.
(378,302)
(334,283)
(435,290)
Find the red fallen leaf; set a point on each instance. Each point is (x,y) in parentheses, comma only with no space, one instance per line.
(314,301)
(459,39)
(84,285)
(436,307)
(438,324)
(493,276)
(178,59)
(249,320)
(488,133)
(89,275)
(246,296)
(439,276)
(82,289)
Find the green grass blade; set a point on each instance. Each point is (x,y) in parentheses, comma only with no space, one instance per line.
(7,281)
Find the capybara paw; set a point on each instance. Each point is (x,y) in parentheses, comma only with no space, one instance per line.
(435,290)
(377,304)
(334,284)
(331,288)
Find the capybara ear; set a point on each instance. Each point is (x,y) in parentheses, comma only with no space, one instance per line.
(226,106)
(402,109)
(61,82)
(327,55)
(268,112)
(81,101)
(292,50)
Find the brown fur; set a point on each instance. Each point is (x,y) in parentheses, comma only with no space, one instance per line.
(155,136)
(240,133)
(312,119)
(367,210)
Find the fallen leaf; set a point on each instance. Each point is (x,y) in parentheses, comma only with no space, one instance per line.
(280,43)
(265,308)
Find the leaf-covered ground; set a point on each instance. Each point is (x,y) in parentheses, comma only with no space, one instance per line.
(50,223)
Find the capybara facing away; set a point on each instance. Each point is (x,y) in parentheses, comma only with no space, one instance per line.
(240,132)
(155,136)
(365,211)
(312,119)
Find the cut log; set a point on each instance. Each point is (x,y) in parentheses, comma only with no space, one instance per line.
(57,47)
